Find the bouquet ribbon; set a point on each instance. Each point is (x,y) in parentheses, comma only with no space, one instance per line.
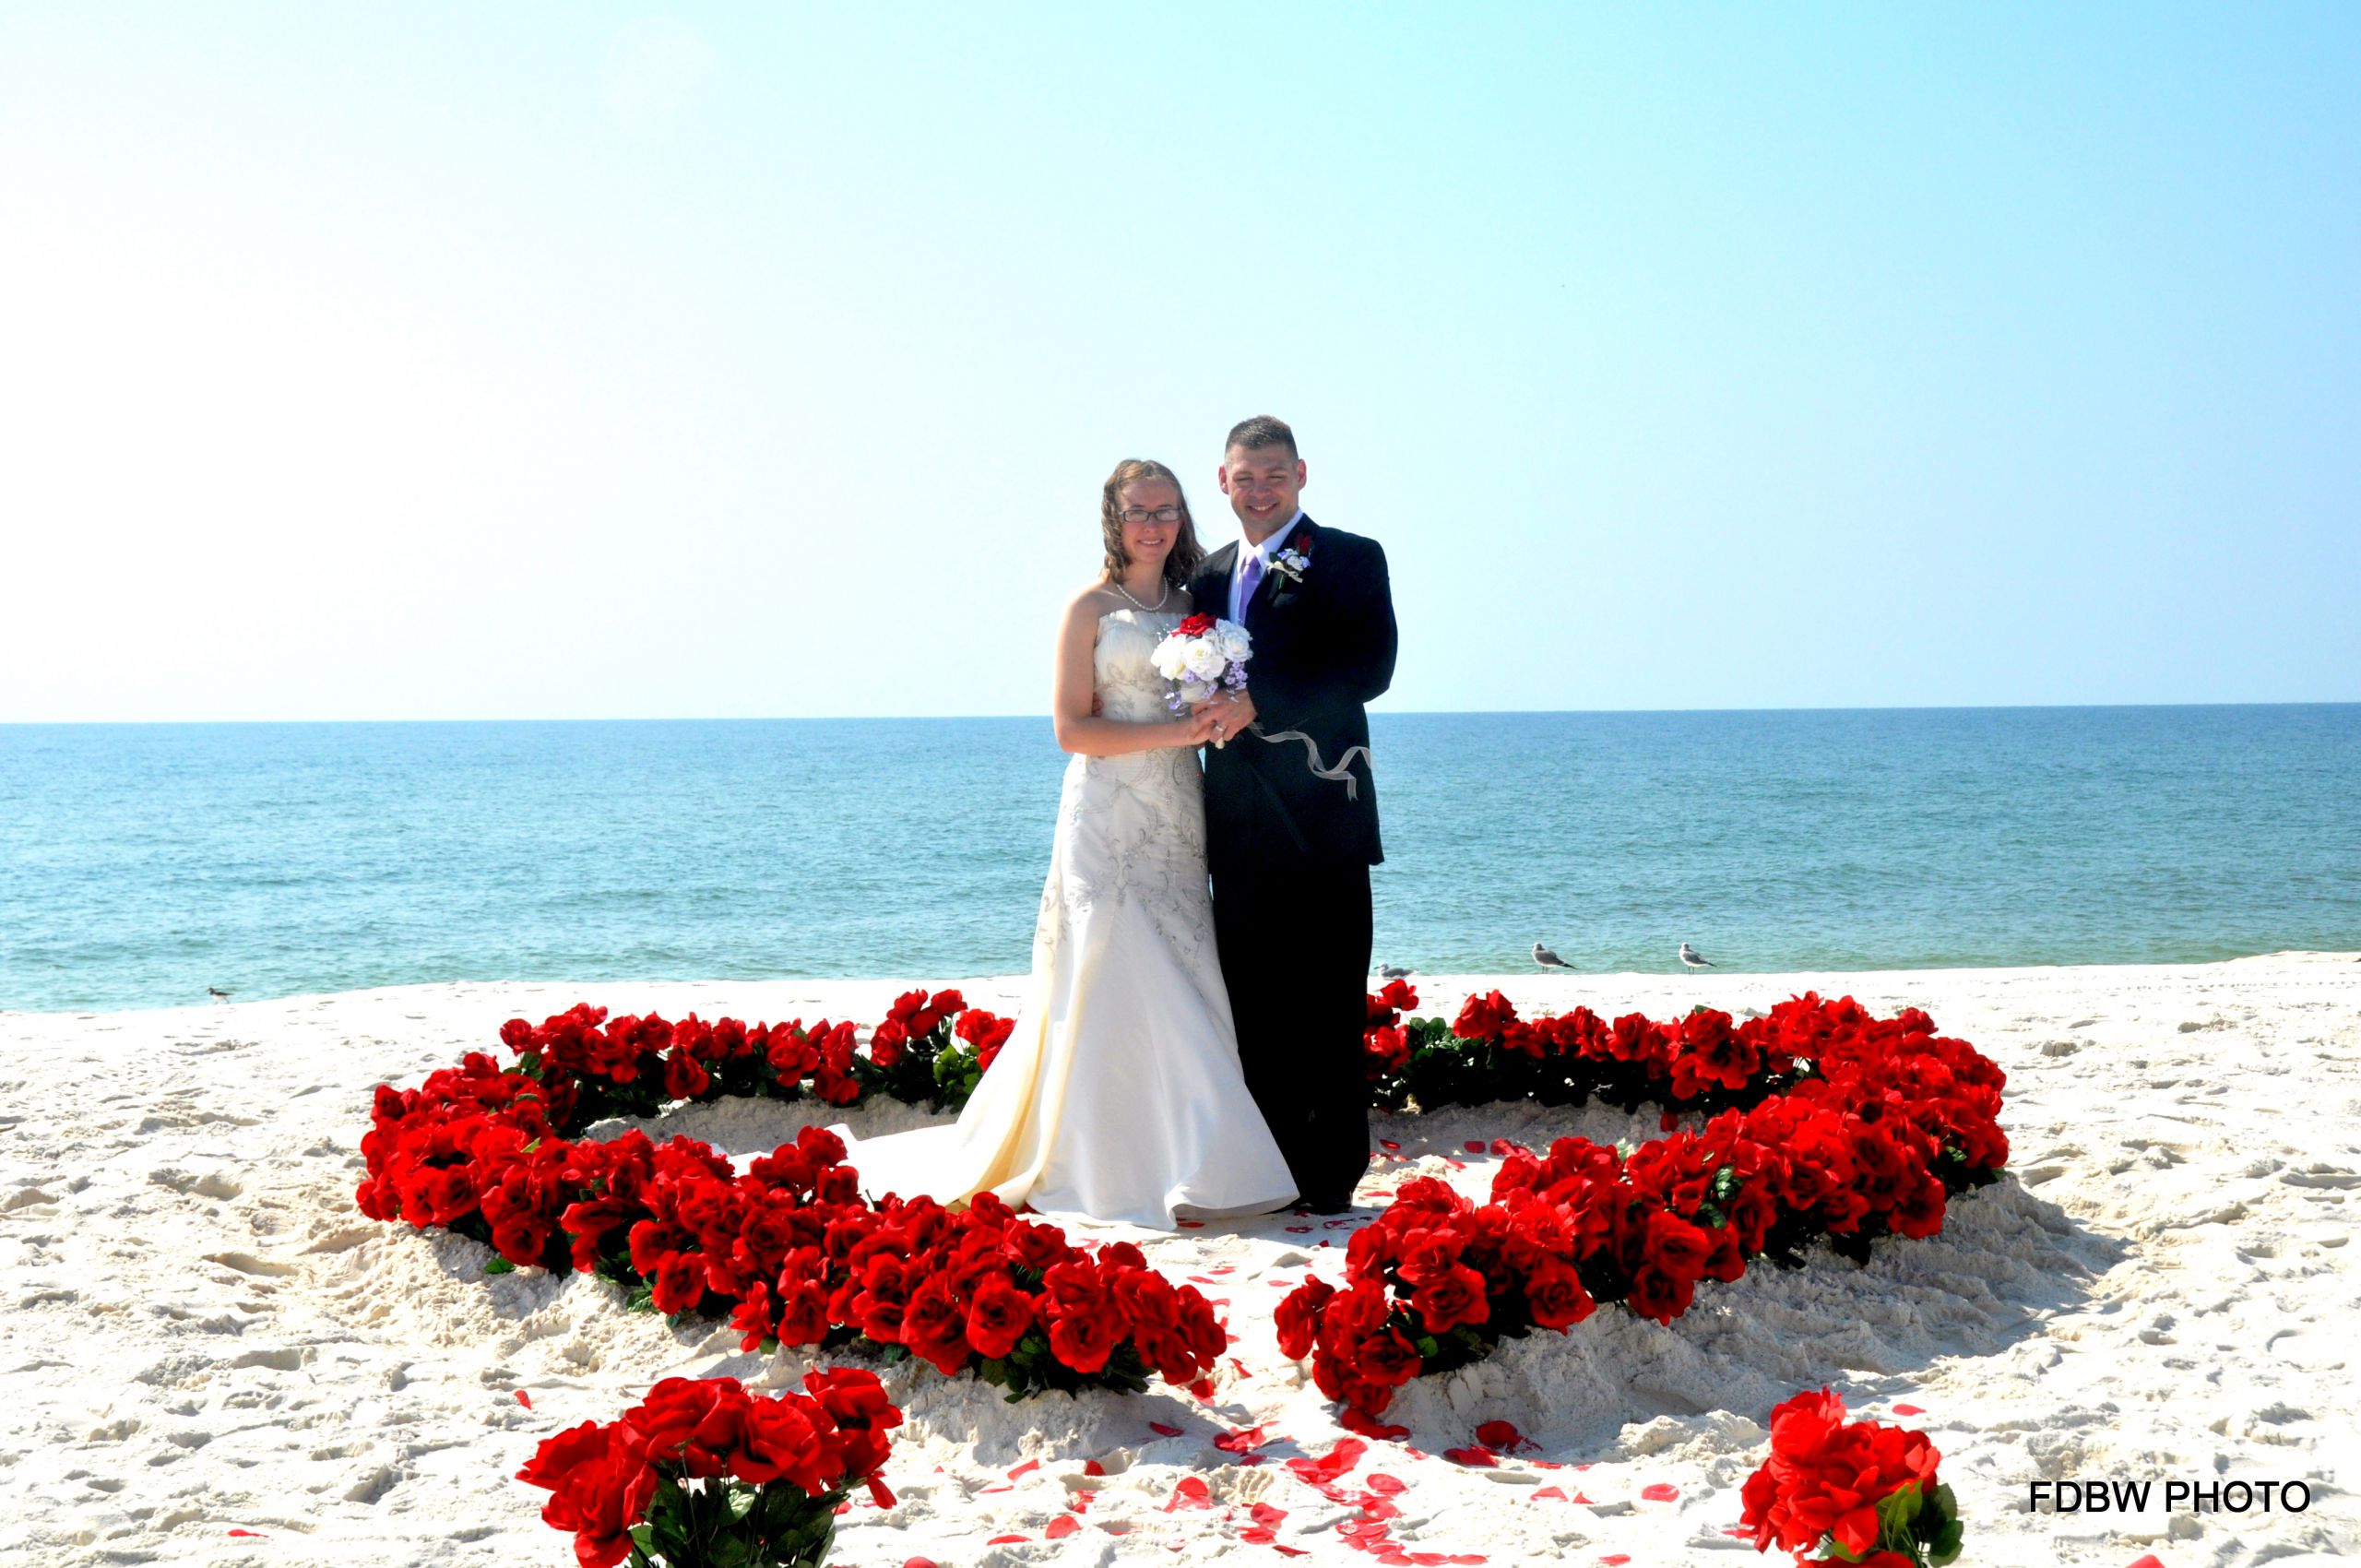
(1341,772)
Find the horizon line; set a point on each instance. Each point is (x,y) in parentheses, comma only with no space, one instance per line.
(1382,713)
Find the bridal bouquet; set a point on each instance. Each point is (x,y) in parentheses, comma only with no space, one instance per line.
(1200,656)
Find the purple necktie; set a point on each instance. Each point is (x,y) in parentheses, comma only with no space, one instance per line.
(1249,578)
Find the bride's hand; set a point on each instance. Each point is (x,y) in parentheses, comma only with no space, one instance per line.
(1204,726)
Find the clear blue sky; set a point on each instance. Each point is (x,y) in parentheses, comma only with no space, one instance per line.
(420,361)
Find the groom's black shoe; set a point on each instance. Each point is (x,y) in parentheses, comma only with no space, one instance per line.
(1325,1203)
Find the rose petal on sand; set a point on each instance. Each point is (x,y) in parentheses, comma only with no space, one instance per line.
(1548,1491)
(1163,1430)
(1191,1492)
(1661,1491)
(1061,1527)
(1500,1436)
(1477,1457)
(1908,1411)
(525,1399)
(1370,1426)
(1026,1469)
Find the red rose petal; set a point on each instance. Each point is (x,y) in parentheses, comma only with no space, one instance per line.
(1190,1493)
(1006,1540)
(1614,1558)
(1203,1389)
(1478,1458)
(1266,1515)
(2150,1561)
(1299,1230)
(1914,1410)
(1190,1224)
(1370,1426)
(258,1535)
(525,1399)
(1388,1144)
(1385,1485)
(1500,1436)
(1159,1428)
(1093,1468)
(1454,1164)
(1244,1440)
(1551,1492)
(1061,1527)
(1501,1146)
(1026,1469)
(1474,1146)
(1663,1491)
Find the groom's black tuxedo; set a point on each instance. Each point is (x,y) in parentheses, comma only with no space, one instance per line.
(1290,852)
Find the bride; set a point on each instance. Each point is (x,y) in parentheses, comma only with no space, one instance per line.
(1118,1096)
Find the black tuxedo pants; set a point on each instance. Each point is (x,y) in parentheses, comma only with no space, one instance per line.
(1294,935)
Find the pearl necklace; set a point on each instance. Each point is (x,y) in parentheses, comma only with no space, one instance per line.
(1162,600)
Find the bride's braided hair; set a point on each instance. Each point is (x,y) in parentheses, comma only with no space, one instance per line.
(1187,554)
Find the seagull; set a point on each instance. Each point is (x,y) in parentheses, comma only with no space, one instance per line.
(1695,960)
(1549,960)
(217,993)
(1393,971)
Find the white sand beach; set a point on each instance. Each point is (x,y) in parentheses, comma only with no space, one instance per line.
(202,1336)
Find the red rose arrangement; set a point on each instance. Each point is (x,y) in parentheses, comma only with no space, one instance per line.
(928,1049)
(702,1474)
(1851,1492)
(1835,1125)
(787,1250)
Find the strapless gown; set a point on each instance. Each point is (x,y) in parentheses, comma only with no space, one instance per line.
(1118,1096)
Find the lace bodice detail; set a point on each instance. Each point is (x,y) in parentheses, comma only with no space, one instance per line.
(1129,687)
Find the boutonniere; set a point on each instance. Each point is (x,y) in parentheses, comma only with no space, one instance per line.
(1292,565)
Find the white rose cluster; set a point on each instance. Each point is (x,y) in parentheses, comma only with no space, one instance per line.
(1196,665)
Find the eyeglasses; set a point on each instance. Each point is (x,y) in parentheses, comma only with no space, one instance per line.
(1142,514)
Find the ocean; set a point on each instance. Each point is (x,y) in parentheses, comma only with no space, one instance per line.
(140,865)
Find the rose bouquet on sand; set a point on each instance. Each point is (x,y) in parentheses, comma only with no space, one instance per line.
(1201,657)
(1851,1492)
(702,1474)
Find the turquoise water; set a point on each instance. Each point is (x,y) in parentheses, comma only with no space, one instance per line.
(139,864)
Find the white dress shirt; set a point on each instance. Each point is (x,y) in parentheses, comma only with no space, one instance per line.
(1265,550)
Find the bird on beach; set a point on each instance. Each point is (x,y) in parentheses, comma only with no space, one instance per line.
(216,993)
(1549,960)
(1694,959)
(1393,971)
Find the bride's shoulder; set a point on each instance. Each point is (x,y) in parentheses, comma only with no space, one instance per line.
(1088,607)
(1091,602)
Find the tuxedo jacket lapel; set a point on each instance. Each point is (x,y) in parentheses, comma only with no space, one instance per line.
(1211,589)
(1273,580)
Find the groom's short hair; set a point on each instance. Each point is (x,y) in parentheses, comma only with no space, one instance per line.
(1263,430)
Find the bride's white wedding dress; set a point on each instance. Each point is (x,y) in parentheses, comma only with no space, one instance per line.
(1118,1096)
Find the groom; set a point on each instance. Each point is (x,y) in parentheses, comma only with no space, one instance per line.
(1290,850)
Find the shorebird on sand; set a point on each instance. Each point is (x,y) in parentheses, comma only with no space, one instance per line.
(1393,971)
(1693,959)
(216,993)
(1549,960)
